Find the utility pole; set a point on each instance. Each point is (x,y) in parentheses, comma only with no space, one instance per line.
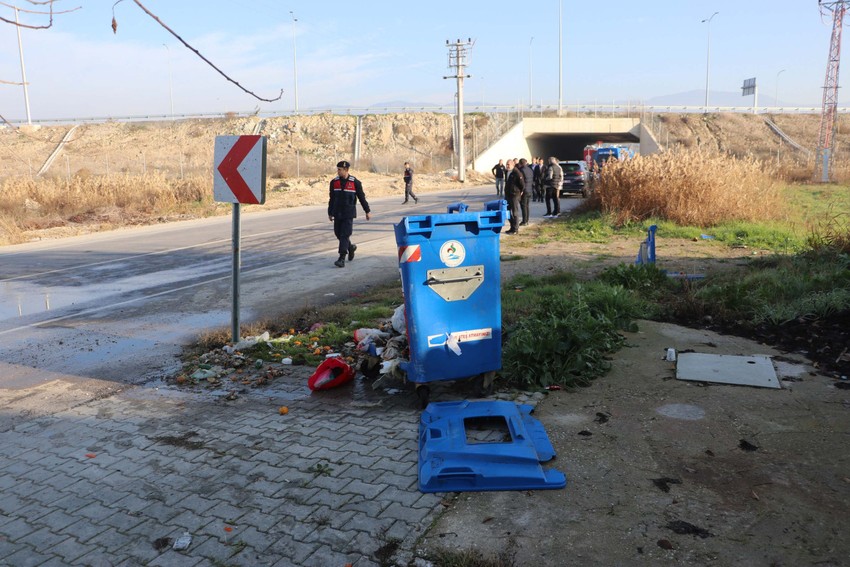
(826,135)
(294,58)
(457,61)
(170,82)
(23,69)
(560,56)
(531,73)
(707,59)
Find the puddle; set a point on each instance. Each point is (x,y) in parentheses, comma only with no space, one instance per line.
(21,298)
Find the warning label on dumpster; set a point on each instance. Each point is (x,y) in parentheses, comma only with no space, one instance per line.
(460,337)
(410,253)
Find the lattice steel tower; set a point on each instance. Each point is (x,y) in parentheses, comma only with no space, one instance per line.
(826,135)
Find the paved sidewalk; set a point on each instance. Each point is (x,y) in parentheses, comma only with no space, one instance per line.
(115,481)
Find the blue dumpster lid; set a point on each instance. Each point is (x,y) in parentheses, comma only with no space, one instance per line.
(448,462)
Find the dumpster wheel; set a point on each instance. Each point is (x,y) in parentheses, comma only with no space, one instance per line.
(483,384)
(423,395)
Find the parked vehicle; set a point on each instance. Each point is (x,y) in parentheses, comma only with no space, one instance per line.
(576,180)
(605,153)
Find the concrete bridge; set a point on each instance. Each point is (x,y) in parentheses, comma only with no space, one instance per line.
(564,138)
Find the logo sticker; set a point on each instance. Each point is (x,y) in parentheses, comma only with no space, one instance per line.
(452,253)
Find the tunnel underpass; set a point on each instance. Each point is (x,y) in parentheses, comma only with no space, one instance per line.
(565,138)
(571,146)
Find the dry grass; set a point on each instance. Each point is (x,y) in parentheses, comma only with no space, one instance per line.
(35,204)
(688,187)
(52,207)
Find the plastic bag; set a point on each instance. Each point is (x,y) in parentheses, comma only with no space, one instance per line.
(362,334)
(398,320)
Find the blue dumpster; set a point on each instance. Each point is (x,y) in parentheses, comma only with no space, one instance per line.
(450,276)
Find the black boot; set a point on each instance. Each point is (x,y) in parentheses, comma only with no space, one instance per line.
(351,250)
(341,262)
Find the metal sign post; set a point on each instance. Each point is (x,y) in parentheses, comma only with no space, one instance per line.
(237,263)
(239,176)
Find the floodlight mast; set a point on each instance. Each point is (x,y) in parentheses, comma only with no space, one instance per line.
(826,134)
(457,61)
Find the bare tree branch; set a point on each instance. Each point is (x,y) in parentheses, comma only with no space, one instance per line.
(49,13)
(198,53)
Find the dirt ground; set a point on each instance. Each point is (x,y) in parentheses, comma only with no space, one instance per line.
(666,472)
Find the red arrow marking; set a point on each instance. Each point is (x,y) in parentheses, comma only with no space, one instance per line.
(228,169)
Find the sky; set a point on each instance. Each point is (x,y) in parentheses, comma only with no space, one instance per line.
(354,55)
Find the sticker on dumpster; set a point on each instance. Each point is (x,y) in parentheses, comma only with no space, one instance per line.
(460,337)
(410,253)
(452,253)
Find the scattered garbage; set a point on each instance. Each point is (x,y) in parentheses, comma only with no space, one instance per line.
(671,355)
(331,373)
(183,542)
(398,320)
(745,445)
(246,343)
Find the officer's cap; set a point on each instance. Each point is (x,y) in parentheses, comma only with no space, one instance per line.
(343,164)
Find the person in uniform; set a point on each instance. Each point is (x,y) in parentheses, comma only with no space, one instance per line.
(345,191)
(408,183)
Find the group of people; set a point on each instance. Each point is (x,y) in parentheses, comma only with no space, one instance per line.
(517,181)
(520,182)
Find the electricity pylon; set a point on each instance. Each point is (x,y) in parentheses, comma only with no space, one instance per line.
(826,135)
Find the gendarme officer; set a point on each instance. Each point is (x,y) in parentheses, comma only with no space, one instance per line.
(345,191)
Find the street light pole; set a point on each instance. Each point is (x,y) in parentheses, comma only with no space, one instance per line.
(530,73)
(560,56)
(776,93)
(170,82)
(294,58)
(23,70)
(707,59)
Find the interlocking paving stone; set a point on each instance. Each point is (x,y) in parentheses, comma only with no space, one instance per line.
(329,483)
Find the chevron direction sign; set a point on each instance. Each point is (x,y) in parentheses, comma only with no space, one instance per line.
(240,170)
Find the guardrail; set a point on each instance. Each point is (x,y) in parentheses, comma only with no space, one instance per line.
(566,110)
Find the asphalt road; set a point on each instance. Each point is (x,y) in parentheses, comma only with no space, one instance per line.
(102,311)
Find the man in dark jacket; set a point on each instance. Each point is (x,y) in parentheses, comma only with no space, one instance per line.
(499,172)
(345,191)
(553,180)
(525,201)
(514,186)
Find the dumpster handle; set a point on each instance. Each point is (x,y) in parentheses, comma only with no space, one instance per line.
(432,280)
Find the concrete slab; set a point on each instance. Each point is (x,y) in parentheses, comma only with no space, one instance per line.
(754,370)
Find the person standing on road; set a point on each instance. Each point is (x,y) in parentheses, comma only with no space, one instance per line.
(553,180)
(514,186)
(500,173)
(528,189)
(537,166)
(408,183)
(345,191)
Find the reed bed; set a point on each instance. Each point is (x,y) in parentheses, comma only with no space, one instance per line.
(688,187)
